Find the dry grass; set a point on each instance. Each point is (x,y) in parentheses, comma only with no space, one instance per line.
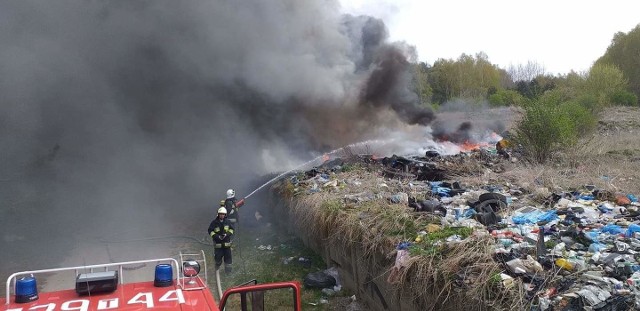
(610,160)
(440,276)
(465,165)
(374,226)
(463,275)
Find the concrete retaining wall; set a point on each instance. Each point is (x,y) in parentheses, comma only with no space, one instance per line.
(367,278)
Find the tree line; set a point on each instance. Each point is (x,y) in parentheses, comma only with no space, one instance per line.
(557,109)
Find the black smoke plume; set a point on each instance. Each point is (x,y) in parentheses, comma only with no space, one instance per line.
(465,122)
(132,118)
(387,87)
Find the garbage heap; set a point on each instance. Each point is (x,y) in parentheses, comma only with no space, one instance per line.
(483,247)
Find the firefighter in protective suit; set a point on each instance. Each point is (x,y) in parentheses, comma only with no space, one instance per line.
(232,205)
(502,148)
(221,232)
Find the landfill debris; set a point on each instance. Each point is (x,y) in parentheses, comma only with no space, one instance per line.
(306,262)
(402,256)
(328,291)
(568,249)
(265,247)
(320,279)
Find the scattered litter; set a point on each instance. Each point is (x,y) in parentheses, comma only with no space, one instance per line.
(565,249)
(328,291)
(320,279)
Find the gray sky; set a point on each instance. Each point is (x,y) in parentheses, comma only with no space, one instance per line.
(561,35)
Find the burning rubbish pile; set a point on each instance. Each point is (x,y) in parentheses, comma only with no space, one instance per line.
(493,245)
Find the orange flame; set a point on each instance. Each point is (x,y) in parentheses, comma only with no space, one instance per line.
(469,146)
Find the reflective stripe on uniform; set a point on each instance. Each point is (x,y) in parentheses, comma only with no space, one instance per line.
(230,231)
(218,245)
(216,229)
(212,233)
(227,244)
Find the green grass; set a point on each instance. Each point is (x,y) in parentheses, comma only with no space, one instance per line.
(351,167)
(267,266)
(429,245)
(446,232)
(424,250)
(332,205)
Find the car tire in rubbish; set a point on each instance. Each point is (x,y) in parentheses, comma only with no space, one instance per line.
(492,196)
(490,202)
(491,205)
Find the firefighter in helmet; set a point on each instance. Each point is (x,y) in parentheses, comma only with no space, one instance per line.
(503,146)
(232,205)
(221,231)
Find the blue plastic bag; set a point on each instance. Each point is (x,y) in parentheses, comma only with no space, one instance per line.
(403,245)
(548,216)
(612,229)
(468,213)
(592,235)
(596,247)
(534,217)
(633,228)
(441,191)
(603,208)
(526,218)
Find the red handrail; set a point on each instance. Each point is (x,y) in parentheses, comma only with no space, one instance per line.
(295,285)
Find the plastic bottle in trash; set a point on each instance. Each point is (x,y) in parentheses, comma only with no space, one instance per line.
(541,250)
(499,234)
(564,264)
(634,279)
(506,242)
(577,263)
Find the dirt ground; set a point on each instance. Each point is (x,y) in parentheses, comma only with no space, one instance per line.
(608,159)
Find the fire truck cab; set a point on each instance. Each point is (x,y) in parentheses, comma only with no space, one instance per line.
(162,284)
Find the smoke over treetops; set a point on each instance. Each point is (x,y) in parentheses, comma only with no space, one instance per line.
(127,113)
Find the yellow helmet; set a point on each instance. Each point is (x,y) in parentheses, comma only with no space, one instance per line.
(222,203)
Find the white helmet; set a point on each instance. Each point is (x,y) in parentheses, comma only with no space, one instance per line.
(222,210)
(231,193)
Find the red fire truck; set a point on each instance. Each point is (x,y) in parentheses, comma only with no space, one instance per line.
(154,284)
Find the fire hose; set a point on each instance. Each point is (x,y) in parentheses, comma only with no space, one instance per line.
(218,284)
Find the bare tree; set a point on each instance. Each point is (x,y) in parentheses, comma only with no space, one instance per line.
(526,72)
